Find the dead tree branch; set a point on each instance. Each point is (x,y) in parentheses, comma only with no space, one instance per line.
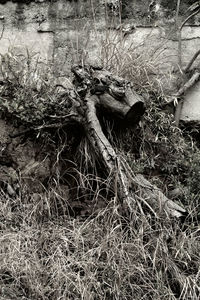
(192,61)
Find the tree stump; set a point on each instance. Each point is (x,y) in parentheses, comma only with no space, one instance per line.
(99,89)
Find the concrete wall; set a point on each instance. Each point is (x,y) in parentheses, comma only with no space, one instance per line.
(191,107)
(64,32)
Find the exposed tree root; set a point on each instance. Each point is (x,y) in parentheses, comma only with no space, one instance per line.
(130,187)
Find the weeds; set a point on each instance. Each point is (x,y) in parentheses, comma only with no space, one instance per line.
(47,253)
(104,257)
(136,61)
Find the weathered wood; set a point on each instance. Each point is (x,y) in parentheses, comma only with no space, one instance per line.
(190,83)
(192,61)
(127,182)
(113,106)
(96,136)
(156,198)
(136,104)
(115,94)
(117,91)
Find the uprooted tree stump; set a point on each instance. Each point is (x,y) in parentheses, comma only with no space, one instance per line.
(97,92)
(100,89)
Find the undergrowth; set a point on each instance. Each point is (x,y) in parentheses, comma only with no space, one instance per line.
(47,252)
(103,257)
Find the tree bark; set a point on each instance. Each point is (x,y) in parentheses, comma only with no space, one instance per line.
(115,95)
(127,182)
(127,105)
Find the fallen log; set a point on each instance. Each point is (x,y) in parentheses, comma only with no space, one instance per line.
(116,95)
(113,106)
(127,182)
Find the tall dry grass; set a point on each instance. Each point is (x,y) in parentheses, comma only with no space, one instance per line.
(103,257)
(46,253)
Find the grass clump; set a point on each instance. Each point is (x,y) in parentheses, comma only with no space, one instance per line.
(29,90)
